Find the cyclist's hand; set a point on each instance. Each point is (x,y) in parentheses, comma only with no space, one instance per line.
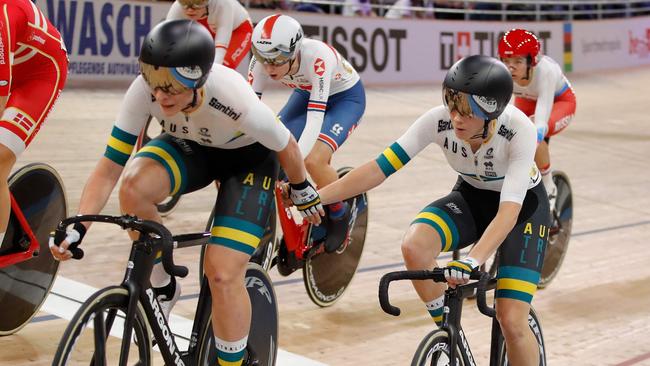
(284,190)
(307,201)
(541,133)
(457,272)
(74,235)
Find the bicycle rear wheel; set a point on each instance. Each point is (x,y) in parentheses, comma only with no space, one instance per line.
(39,191)
(560,231)
(327,275)
(263,336)
(434,351)
(536,327)
(95,331)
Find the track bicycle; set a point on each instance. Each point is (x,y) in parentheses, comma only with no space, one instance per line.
(559,233)
(132,314)
(27,268)
(447,345)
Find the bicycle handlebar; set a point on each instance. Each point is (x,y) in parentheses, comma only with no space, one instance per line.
(145,227)
(437,275)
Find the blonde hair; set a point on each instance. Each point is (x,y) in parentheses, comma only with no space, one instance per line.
(158,77)
(193,3)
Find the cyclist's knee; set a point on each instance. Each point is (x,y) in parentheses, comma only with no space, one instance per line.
(418,250)
(316,160)
(222,278)
(513,320)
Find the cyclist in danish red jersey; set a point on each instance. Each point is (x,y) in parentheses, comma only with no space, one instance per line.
(541,91)
(228,22)
(497,202)
(326,105)
(215,127)
(33,70)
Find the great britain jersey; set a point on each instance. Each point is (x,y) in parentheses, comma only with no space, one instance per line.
(547,82)
(230,116)
(224,16)
(504,162)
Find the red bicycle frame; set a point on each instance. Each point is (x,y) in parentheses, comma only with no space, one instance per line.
(295,235)
(10,259)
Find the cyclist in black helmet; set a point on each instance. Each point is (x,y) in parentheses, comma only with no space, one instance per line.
(215,127)
(497,202)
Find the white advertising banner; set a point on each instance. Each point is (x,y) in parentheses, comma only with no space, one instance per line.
(104,37)
(611,44)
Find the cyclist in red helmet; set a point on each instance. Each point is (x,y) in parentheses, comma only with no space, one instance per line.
(541,91)
(33,70)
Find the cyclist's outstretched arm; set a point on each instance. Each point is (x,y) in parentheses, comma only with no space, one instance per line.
(359,180)
(95,194)
(291,161)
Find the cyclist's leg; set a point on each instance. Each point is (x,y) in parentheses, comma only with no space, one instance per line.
(242,210)
(444,225)
(240,45)
(35,89)
(165,166)
(520,263)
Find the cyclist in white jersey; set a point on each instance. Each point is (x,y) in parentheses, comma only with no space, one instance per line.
(496,203)
(215,127)
(326,105)
(228,22)
(541,91)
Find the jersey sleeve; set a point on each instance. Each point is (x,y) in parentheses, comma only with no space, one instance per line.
(546,96)
(257,78)
(223,19)
(521,161)
(322,66)
(421,133)
(175,12)
(258,120)
(7,29)
(131,118)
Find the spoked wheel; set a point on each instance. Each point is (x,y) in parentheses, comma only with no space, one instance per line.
(263,336)
(169,204)
(560,231)
(39,191)
(535,326)
(327,275)
(434,351)
(95,332)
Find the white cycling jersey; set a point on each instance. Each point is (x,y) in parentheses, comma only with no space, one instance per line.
(504,163)
(548,81)
(224,16)
(322,72)
(230,115)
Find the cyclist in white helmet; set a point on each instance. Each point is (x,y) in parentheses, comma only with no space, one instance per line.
(327,103)
(228,22)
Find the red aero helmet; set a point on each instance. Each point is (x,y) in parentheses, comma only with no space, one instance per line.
(519,43)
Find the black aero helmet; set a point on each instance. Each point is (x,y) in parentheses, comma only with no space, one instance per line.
(478,85)
(177,55)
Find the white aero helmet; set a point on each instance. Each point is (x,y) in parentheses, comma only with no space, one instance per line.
(276,39)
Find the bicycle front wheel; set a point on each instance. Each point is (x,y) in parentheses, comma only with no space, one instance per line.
(93,336)
(327,275)
(560,231)
(536,328)
(434,351)
(39,192)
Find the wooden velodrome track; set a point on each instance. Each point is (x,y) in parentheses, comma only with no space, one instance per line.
(597,312)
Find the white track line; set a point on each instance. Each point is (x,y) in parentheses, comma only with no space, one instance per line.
(67,296)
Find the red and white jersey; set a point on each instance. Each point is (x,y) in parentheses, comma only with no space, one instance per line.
(547,82)
(24,32)
(224,16)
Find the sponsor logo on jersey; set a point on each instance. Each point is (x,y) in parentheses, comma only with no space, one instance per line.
(2,50)
(337,129)
(489,169)
(489,154)
(261,41)
(203,131)
(454,208)
(319,67)
(38,39)
(444,125)
(227,110)
(4,83)
(506,132)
